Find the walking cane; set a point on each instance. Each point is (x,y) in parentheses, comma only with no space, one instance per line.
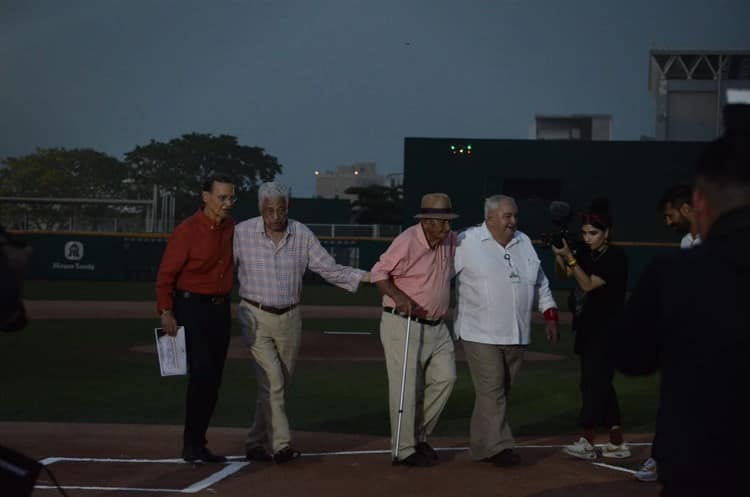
(403,384)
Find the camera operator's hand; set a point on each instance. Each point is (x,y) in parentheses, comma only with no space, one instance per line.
(552,331)
(563,252)
(168,323)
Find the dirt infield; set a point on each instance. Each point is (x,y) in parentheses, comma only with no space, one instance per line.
(141,460)
(334,465)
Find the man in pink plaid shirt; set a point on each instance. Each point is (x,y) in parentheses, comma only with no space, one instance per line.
(271,253)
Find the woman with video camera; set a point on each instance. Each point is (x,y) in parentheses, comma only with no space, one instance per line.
(600,271)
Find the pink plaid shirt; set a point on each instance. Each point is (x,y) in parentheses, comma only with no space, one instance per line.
(272,274)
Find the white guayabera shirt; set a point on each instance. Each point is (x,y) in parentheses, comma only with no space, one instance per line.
(497,288)
(689,240)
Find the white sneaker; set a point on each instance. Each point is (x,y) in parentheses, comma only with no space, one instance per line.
(616,451)
(582,449)
(648,471)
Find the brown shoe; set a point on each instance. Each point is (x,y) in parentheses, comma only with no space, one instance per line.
(504,458)
(417,460)
(426,450)
(258,453)
(285,455)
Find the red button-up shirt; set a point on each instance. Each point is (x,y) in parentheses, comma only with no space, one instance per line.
(198,259)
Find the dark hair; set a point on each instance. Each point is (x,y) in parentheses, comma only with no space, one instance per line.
(598,214)
(736,119)
(676,195)
(208,183)
(723,168)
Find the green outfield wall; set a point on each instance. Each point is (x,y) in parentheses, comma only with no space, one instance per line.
(136,257)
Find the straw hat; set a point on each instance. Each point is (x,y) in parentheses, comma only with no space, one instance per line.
(436,206)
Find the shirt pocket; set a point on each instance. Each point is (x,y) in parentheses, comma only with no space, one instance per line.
(531,271)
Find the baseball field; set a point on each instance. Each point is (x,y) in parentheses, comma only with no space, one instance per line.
(82,393)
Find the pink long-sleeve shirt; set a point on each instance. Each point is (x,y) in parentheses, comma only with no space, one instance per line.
(422,273)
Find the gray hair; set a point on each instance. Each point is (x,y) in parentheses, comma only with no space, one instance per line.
(272,190)
(493,202)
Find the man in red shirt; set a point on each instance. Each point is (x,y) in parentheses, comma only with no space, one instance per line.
(192,290)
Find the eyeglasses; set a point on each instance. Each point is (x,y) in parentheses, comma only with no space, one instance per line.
(226,199)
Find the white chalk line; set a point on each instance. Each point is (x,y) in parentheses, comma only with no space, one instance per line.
(347,333)
(228,470)
(233,467)
(110,489)
(616,468)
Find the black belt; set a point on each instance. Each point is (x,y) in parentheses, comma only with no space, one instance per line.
(199,297)
(428,322)
(268,308)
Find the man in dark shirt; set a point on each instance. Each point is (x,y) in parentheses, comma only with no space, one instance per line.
(192,290)
(13,257)
(686,319)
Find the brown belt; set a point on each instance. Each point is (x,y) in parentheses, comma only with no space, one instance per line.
(268,308)
(428,322)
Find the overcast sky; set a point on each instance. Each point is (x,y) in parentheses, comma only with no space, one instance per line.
(326,83)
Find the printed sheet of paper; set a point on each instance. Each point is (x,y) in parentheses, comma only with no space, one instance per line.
(172,352)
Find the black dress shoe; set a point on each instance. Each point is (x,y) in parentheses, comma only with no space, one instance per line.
(504,458)
(193,454)
(285,455)
(417,460)
(426,450)
(258,453)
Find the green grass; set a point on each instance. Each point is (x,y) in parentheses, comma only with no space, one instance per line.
(312,294)
(81,370)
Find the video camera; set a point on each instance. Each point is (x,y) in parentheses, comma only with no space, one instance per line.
(561,216)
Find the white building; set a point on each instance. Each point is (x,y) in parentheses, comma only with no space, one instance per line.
(333,184)
(690,86)
(587,127)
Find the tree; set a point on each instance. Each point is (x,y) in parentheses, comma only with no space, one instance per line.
(181,165)
(61,173)
(377,204)
(58,172)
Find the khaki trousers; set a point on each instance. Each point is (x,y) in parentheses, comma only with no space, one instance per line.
(274,342)
(430,375)
(493,369)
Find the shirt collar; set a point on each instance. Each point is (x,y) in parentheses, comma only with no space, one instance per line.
(206,221)
(485,235)
(261,228)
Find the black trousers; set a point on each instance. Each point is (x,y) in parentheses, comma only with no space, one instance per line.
(207,331)
(599,407)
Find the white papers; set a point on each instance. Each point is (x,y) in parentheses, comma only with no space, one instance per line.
(172,352)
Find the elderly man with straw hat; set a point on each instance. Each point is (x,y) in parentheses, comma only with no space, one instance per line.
(414,277)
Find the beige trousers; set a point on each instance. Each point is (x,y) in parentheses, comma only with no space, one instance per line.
(274,342)
(493,369)
(430,375)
